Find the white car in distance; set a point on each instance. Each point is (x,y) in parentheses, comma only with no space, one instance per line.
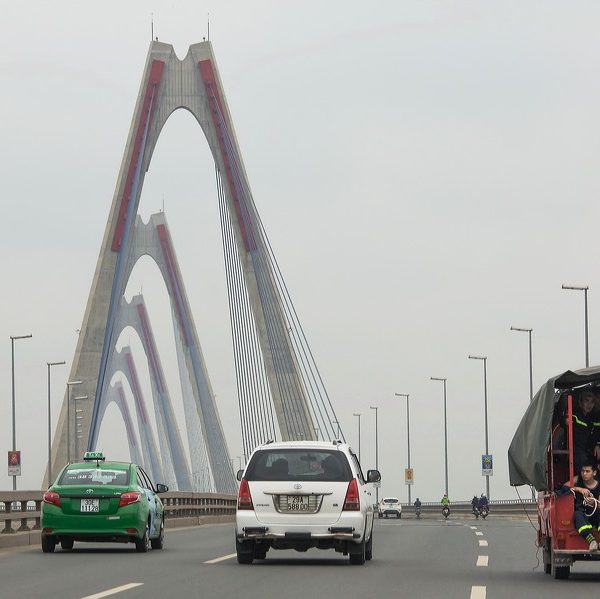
(303,494)
(390,506)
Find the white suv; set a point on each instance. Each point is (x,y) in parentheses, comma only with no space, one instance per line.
(390,506)
(303,494)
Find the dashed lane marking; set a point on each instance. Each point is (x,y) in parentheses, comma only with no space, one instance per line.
(114,590)
(477,592)
(473,527)
(479,533)
(221,559)
(482,560)
(483,543)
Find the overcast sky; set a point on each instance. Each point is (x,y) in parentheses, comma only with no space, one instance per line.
(427,173)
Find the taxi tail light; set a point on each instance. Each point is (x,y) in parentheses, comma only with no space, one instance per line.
(52,497)
(127,498)
(244,497)
(352,501)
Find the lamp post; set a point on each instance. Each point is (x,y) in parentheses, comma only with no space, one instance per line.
(487,452)
(78,411)
(530,359)
(49,364)
(585,296)
(13,338)
(376,408)
(407,436)
(69,385)
(337,422)
(435,378)
(357,414)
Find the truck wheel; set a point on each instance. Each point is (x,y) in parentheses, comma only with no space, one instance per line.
(369,548)
(561,572)
(245,551)
(358,553)
(547,558)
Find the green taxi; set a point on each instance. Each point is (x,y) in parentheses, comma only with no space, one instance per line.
(102,501)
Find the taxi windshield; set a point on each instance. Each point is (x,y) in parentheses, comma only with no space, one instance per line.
(94,476)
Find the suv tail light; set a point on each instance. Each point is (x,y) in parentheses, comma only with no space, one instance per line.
(52,497)
(127,498)
(352,501)
(244,497)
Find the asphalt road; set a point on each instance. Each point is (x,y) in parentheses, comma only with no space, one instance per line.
(412,559)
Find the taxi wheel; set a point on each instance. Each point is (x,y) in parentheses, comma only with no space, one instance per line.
(48,544)
(67,543)
(159,542)
(141,545)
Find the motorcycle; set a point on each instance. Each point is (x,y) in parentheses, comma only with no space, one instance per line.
(484,510)
(445,512)
(476,512)
(418,512)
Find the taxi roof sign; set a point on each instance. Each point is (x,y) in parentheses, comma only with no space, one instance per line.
(93,455)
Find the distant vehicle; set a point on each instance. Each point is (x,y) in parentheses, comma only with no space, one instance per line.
(541,454)
(390,506)
(100,501)
(446,511)
(303,494)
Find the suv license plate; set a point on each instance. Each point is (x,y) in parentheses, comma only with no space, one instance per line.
(90,505)
(297,503)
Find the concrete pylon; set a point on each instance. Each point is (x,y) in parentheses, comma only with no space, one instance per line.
(167,85)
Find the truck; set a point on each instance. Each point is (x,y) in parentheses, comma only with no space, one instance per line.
(541,455)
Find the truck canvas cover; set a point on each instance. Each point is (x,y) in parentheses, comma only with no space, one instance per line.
(527,451)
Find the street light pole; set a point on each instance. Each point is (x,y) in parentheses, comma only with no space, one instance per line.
(376,450)
(434,378)
(69,385)
(13,338)
(357,414)
(585,295)
(487,452)
(78,411)
(49,364)
(530,359)
(407,437)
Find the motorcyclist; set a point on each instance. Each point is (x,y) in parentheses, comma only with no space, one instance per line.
(483,501)
(445,500)
(417,505)
(475,504)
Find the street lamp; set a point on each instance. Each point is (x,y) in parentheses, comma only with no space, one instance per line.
(49,364)
(407,436)
(13,338)
(78,411)
(484,359)
(357,414)
(376,450)
(435,378)
(585,294)
(530,359)
(338,428)
(69,385)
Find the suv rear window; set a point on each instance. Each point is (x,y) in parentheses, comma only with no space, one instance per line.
(391,500)
(299,464)
(94,476)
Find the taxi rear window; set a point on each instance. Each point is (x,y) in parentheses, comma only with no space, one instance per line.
(94,476)
(299,464)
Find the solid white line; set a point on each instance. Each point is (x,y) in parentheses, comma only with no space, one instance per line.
(483,543)
(479,533)
(114,591)
(473,527)
(477,593)
(482,560)
(220,559)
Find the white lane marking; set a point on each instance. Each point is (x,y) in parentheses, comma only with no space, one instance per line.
(114,591)
(220,559)
(473,527)
(482,560)
(483,543)
(479,533)
(477,592)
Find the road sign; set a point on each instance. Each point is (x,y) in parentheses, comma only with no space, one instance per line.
(14,463)
(487,465)
(377,484)
(408,476)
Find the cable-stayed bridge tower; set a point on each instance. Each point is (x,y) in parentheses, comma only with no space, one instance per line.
(280,391)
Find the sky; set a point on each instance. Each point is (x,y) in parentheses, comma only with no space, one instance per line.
(427,173)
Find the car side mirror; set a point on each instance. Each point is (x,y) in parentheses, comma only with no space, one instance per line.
(160,488)
(239,474)
(373,476)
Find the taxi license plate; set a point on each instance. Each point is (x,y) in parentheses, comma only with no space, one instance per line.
(90,505)
(297,503)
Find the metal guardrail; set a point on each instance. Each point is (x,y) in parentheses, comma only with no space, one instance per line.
(25,507)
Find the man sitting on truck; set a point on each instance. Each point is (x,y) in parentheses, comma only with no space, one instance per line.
(586,490)
(586,429)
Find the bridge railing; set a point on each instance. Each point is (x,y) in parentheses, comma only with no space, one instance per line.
(20,511)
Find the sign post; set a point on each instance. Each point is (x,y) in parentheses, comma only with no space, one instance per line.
(487,465)
(14,463)
(408,476)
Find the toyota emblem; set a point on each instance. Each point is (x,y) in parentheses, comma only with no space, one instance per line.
(89,490)
(297,486)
